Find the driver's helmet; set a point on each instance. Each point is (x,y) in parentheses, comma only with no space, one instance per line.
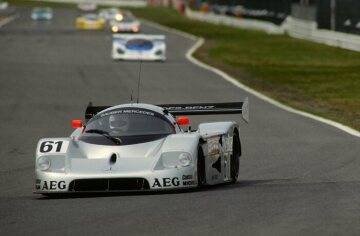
(119,123)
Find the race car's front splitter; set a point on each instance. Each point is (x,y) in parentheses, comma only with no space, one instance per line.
(139,56)
(174,178)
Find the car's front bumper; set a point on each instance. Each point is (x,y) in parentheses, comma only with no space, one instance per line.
(145,56)
(109,181)
(90,26)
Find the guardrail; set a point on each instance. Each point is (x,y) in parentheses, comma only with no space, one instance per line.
(119,3)
(294,27)
(308,30)
(268,27)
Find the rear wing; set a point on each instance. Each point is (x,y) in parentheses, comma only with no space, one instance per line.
(190,109)
(209,109)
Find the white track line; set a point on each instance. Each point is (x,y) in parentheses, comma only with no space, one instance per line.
(200,42)
(8,20)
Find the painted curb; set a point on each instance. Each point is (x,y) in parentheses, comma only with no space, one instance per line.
(8,20)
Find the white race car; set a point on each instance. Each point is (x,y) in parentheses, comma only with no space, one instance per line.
(139,147)
(138,47)
(110,13)
(125,24)
(42,13)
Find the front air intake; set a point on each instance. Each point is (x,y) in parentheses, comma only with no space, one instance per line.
(108,185)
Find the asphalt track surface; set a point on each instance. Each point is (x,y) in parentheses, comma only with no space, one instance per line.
(298,176)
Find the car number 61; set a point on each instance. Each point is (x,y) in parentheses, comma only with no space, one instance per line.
(53,146)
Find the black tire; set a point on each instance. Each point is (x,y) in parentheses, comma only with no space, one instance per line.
(235,158)
(51,195)
(201,174)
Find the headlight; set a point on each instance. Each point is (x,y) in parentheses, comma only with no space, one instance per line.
(114,29)
(119,17)
(43,163)
(120,51)
(135,29)
(185,159)
(176,159)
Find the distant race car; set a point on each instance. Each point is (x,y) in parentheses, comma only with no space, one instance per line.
(136,147)
(139,47)
(42,13)
(110,14)
(125,24)
(90,22)
(3,5)
(87,6)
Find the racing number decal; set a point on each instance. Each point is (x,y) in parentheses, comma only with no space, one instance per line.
(53,146)
(47,146)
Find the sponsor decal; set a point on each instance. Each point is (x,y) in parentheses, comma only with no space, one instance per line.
(54,146)
(228,143)
(215,149)
(128,111)
(190,108)
(186,177)
(214,146)
(166,182)
(188,180)
(53,185)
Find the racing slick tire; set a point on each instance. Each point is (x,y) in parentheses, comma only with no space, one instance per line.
(52,195)
(201,174)
(235,158)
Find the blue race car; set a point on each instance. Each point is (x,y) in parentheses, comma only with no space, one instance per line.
(139,47)
(42,13)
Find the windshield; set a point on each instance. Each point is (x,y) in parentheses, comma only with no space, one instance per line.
(127,19)
(131,125)
(41,10)
(139,44)
(91,17)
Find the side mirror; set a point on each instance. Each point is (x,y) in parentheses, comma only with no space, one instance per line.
(76,124)
(183,120)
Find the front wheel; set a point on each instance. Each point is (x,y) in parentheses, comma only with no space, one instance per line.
(235,158)
(201,167)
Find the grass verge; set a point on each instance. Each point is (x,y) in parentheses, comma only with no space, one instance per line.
(312,77)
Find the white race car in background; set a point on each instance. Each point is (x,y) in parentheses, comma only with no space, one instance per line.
(110,14)
(42,13)
(124,24)
(139,47)
(87,6)
(3,5)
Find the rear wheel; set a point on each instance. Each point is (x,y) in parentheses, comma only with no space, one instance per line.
(235,158)
(201,168)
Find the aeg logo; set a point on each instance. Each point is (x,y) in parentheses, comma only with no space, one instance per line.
(53,185)
(166,182)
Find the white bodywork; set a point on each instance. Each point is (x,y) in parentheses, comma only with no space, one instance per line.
(124,27)
(42,13)
(155,163)
(109,13)
(3,5)
(122,51)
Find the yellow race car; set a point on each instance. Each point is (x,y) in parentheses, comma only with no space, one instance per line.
(90,22)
